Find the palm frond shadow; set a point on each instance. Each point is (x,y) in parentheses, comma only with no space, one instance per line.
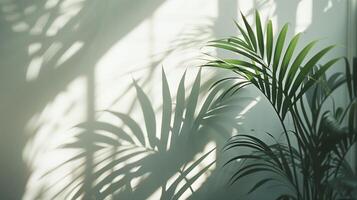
(132,162)
(193,36)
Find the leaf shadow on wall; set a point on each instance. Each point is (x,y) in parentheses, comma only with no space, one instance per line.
(133,163)
(47,45)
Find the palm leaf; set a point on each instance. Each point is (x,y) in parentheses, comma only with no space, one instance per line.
(285,76)
(279,81)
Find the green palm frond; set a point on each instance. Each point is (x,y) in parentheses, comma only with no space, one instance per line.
(273,69)
(295,83)
(274,159)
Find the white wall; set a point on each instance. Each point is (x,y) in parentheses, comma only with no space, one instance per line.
(64,61)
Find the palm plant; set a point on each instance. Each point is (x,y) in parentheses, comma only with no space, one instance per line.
(295,84)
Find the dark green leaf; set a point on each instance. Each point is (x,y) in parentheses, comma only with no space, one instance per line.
(259,34)
(269,41)
(250,32)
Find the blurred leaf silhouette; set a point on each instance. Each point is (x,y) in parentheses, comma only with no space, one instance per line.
(133,163)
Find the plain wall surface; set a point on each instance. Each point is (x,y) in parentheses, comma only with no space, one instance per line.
(65,61)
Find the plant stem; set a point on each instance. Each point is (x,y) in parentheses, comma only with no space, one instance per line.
(289,146)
